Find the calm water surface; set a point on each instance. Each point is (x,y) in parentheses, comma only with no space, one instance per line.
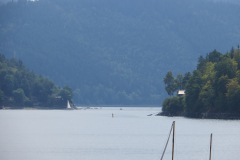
(95,135)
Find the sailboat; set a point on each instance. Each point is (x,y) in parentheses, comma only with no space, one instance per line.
(68,106)
(173,129)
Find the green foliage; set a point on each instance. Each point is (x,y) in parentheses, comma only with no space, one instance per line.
(209,73)
(185,79)
(213,87)
(237,57)
(193,89)
(69,89)
(2,58)
(220,91)
(26,87)
(233,96)
(19,95)
(8,84)
(206,97)
(226,67)
(171,83)
(1,97)
(173,104)
(201,63)
(65,94)
(213,56)
(179,81)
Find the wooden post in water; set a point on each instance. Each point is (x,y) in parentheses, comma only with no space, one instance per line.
(173,125)
(210,147)
(172,128)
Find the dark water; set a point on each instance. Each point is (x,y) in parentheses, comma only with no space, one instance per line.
(95,135)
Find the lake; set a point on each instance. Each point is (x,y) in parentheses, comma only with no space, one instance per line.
(93,134)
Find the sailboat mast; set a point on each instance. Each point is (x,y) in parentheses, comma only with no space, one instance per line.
(210,147)
(173,125)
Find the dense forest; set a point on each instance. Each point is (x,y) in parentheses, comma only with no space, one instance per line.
(115,52)
(214,87)
(20,88)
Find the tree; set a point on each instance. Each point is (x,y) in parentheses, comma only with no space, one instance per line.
(232,50)
(193,89)
(8,84)
(233,96)
(207,96)
(70,90)
(221,84)
(2,58)
(179,81)
(221,90)
(19,96)
(237,57)
(209,73)
(214,56)
(17,81)
(173,104)
(25,86)
(201,63)
(227,67)
(171,85)
(185,79)
(1,97)
(65,94)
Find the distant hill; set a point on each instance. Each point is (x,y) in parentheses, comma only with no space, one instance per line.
(115,52)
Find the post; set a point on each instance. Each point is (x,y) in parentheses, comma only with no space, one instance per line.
(210,147)
(173,140)
(167,140)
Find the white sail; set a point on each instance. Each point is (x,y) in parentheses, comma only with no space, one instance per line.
(68,105)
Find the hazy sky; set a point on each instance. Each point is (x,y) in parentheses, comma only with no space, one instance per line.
(233,1)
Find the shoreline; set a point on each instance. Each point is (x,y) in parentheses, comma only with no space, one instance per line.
(77,107)
(230,116)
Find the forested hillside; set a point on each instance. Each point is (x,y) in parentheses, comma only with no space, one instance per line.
(214,87)
(19,87)
(115,52)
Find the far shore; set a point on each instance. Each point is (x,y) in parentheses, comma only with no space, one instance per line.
(75,108)
(235,116)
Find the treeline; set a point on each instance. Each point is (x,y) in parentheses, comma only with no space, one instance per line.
(214,87)
(115,52)
(19,87)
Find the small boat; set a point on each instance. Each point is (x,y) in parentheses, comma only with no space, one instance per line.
(68,106)
(120,108)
